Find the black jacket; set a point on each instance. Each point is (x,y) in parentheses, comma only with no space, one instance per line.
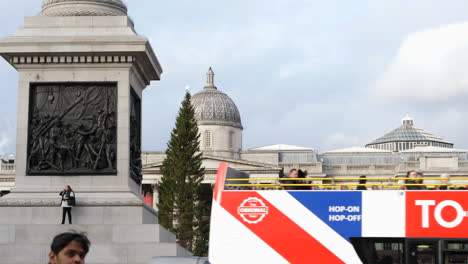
(66,194)
(294,182)
(414,187)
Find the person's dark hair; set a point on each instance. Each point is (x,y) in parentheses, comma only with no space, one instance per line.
(292,170)
(420,174)
(60,241)
(301,174)
(407,176)
(281,173)
(363,179)
(69,187)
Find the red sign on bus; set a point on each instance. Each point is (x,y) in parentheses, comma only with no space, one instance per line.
(437,214)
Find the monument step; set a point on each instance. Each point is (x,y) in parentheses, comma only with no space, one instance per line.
(85,215)
(130,244)
(40,234)
(134,253)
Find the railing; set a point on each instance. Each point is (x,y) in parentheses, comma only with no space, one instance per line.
(334,183)
(385,167)
(7,180)
(409,165)
(7,169)
(364,169)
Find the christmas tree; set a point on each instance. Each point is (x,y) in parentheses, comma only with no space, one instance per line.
(180,189)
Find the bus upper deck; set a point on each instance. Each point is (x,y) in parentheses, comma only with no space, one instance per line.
(250,223)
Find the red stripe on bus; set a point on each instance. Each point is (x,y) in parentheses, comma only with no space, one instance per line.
(220,179)
(278,231)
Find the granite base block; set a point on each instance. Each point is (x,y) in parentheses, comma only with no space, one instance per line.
(110,244)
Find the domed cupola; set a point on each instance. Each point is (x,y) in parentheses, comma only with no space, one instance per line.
(407,137)
(84,8)
(215,107)
(219,121)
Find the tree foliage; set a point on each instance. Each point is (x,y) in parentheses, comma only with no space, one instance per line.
(180,189)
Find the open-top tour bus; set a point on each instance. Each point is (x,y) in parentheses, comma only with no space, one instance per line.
(385,226)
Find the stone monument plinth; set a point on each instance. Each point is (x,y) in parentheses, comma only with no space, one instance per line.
(82,70)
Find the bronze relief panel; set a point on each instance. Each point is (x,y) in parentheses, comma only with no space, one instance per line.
(135,138)
(72,129)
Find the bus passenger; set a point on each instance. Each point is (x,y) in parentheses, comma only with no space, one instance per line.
(414,179)
(302,175)
(292,175)
(362,180)
(445,181)
(419,180)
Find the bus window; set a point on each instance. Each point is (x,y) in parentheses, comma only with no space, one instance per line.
(379,250)
(456,258)
(456,252)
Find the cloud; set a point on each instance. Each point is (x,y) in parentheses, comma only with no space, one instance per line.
(6,137)
(430,66)
(5,141)
(340,140)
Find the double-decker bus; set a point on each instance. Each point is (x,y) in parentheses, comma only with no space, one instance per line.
(255,226)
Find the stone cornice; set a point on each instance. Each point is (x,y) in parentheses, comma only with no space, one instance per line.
(219,123)
(48,59)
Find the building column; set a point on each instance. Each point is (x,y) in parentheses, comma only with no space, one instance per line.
(155,195)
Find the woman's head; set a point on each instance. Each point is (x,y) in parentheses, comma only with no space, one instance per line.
(413,177)
(419,176)
(68,188)
(411,174)
(445,178)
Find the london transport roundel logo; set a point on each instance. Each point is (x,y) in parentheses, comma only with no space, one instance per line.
(252,210)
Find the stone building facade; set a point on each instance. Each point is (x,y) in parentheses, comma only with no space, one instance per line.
(7,174)
(392,155)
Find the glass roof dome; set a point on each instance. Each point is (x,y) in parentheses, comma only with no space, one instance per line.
(406,133)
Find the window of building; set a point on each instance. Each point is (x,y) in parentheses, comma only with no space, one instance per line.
(231,140)
(208,141)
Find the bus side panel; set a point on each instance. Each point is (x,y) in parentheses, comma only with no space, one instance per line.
(437,214)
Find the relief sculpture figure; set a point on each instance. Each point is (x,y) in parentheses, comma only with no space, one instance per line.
(72,129)
(135,139)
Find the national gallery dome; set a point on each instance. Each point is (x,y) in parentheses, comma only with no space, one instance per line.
(219,121)
(84,8)
(215,107)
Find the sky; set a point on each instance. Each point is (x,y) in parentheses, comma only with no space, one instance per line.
(320,74)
